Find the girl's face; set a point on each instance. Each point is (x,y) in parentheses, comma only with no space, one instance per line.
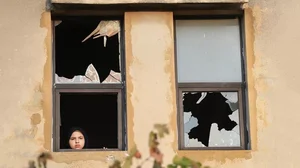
(76,140)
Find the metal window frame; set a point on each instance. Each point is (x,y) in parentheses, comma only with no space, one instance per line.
(240,87)
(119,88)
(87,90)
(211,87)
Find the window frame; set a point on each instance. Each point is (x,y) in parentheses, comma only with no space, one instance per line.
(239,87)
(119,88)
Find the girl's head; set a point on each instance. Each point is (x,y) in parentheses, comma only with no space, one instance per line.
(77,139)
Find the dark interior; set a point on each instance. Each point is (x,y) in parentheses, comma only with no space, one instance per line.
(72,57)
(95,113)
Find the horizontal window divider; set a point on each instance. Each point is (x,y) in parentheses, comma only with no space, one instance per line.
(89,150)
(212,148)
(88,86)
(231,85)
(67,90)
(206,14)
(199,89)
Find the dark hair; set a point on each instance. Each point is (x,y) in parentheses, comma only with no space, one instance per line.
(73,129)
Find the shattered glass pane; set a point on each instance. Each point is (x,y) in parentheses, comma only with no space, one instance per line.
(87,51)
(211,119)
(208,50)
(91,76)
(105,28)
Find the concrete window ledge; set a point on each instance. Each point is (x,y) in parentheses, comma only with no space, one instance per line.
(144,1)
(121,6)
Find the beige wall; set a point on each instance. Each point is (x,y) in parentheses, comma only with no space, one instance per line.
(25,86)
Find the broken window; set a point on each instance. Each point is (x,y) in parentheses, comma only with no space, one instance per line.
(211,84)
(87,51)
(88,82)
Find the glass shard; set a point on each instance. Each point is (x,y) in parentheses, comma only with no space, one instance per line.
(106,29)
(91,76)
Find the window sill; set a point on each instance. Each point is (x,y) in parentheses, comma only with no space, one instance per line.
(215,155)
(71,156)
(146,1)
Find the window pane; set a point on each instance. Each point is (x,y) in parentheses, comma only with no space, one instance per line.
(211,119)
(208,51)
(95,113)
(87,51)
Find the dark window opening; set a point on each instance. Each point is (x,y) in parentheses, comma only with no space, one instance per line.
(95,113)
(73,56)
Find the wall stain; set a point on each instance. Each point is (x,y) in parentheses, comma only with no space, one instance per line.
(258,64)
(170,68)
(35,104)
(35,119)
(45,22)
(34,108)
(252,92)
(129,84)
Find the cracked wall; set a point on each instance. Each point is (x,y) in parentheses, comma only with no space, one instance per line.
(25,80)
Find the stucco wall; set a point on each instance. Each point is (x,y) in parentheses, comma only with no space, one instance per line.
(25,80)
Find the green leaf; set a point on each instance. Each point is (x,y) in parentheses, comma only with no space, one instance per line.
(183,162)
(152,140)
(128,159)
(162,129)
(116,164)
(156,165)
(127,163)
(198,164)
(171,166)
(132,151)
(176,159)
(186,162)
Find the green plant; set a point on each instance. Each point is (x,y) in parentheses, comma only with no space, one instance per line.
(159,131)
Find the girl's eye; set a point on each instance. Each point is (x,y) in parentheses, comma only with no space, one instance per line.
(80,137)
(72,138)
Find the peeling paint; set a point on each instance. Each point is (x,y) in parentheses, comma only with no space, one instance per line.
(272,37)
(146,48)
(45,22)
